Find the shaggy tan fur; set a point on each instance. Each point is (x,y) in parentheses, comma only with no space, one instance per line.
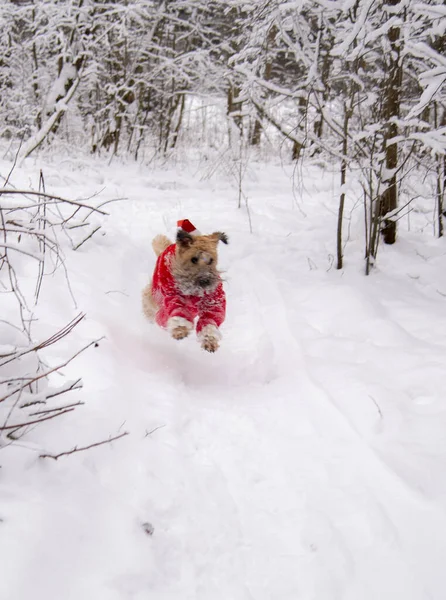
(196,263)
(160,243)
(195,272)
(149,306)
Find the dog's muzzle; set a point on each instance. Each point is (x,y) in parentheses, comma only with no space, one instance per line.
(204,282)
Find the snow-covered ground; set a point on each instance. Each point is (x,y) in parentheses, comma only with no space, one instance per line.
(305,460)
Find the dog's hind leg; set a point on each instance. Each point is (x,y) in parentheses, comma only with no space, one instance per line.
(160,243)
(149,306)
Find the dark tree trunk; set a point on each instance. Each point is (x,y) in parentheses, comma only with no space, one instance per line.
(234,106)
(347,115)
(441,174)
(256,133)
(297,146)
(391,109)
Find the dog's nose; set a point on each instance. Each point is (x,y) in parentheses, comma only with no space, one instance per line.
(204,282)
(207,258)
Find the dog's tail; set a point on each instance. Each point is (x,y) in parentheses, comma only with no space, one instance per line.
(160,243)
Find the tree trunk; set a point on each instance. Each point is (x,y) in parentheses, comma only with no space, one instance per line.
(391,109)
(325,68)
(56,108)
(347,115)
(234,106)
(298,146)
(179,122)
(441,175)
(257,130)
(256,133)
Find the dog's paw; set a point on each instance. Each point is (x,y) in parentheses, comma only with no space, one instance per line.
(210,344)
(179,328)
(180,332)
(210,338)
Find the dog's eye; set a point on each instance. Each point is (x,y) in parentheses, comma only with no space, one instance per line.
(211,260)
(194,259)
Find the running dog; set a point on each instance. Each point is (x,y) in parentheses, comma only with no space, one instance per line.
(187,284)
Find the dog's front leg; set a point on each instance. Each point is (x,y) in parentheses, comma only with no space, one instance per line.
(209,338)
(179,327)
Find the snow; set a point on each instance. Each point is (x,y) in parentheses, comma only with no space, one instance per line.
(305,459)
(433,80)
(59,89)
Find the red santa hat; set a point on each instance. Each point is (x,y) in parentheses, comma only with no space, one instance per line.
(187,226)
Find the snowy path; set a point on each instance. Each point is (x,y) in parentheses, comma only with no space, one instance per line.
(304,461)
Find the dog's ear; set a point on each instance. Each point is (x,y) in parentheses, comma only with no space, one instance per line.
(184,239)
(219,236)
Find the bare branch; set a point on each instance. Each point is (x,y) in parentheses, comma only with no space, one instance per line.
(27,423)
(147,433)
(56,199)
(83,448)
(28,380)
(48,342)
(17,248)
(58,408)
(87,238)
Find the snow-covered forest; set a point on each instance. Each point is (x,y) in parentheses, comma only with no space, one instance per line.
(359,83)
(305,459)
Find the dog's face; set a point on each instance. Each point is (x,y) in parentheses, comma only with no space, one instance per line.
(195,266)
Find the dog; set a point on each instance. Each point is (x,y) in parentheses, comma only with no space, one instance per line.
(186,284)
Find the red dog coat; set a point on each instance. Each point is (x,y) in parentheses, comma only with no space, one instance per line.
(210,307)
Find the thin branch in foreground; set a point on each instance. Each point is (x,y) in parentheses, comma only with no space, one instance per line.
(56,199)
(103,204)
(153,430)
(48,342)
(76,449)
(58,408)
(75,385)
(20,425)
(377,406)
(117,292)
(29,381)
(14,164)
(87,238)
(16,248)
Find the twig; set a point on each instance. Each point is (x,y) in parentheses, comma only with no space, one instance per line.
(76,385)
(76,449)
(17,249)
(77,226)
(29,381)
(311,264)
(104,203)
(42,245)
(20,425)
(22,230)
(153,430)
(117,292)
(377,406)
(33,403)
(13,407)
(14,164)
(51,197)
(50,410)
(87,238)
(48,342)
